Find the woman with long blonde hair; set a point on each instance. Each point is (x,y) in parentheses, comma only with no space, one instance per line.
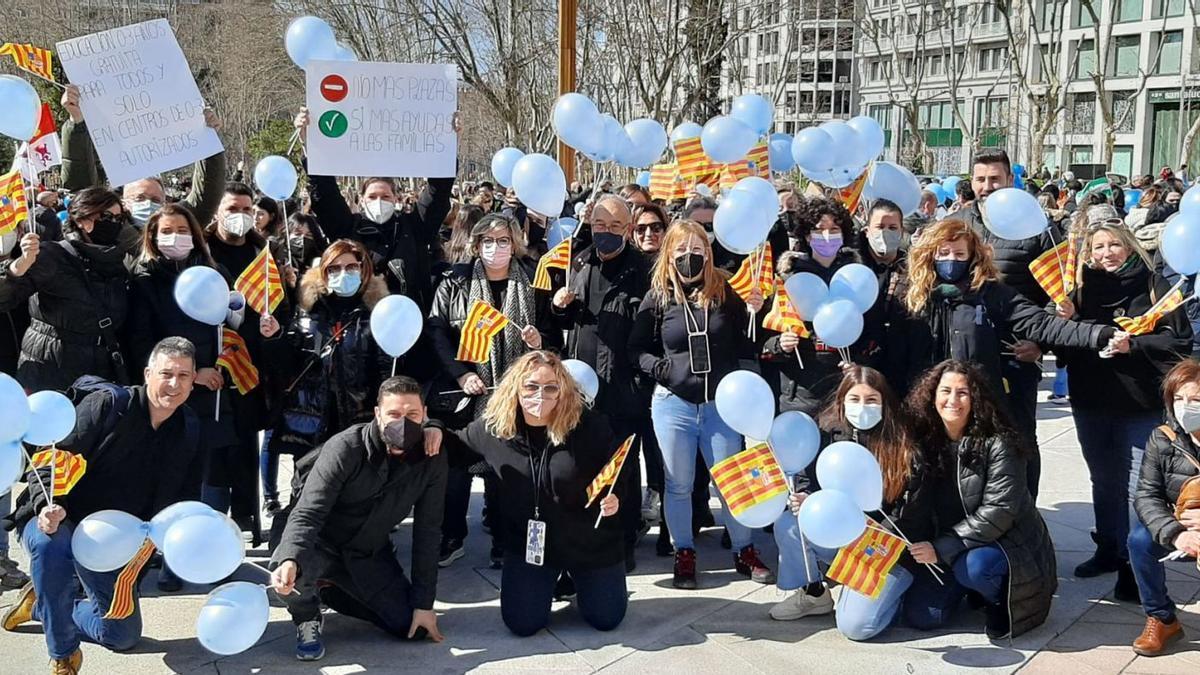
(687,335)
(546,448)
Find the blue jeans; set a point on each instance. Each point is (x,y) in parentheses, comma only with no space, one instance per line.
(1060,381)
(681,427)
(1151,575)
(65,620)
(858,616)
(526,592)
(1112,447)
(929,605)
(268,469)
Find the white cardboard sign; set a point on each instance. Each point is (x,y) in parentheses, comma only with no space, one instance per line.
(382,119)
(143,109)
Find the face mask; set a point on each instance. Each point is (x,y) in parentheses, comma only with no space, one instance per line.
(379,210)
(345,284)
(141,211)
(689,265)
(237,224)
(175,246)
(952,270)
(105,229)
(825,246)
(538,407)
(403,435)
(1188,416)
(608,243)
(864,416)
(884,243)
(712,236)
(495,257)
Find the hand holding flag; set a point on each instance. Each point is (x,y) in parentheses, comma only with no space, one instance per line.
(608,478)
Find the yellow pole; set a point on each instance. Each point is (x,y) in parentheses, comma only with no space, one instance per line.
(568,10)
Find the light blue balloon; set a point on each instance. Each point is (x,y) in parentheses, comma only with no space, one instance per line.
(1189,202)
(937,191)
(22,109)
(396,323)
(618,143)
(754,111)
(643,179)
(539,183)
(779,148)
(203,548)
(309,38)
(686,130)
(851,468)
(202,293)
(344,53)
(585,378)
(846,140)
(12,465)
(726,139)
(1132,197)
(15,405)
(741,222)
(51,418)
(843,176)
(233,618)
(813,151)
(895,183)
(746,404)
(870,135)
(502,165)
(950,185)
(107,540)
(275,177)
(648,139)
(164,519)
(807,292)
(838,323)
(561,229)
(857,283)
(62,217)
(1180,242)
(831,519)
(1014,214)
(795,439)
(575,119)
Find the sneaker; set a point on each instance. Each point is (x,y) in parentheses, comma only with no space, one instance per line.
(746,562)
(497,557)
(564,588)
(1156,636)
(997,623)
(642,531)
(10,575)
(272,506)
(451,550)
(685,569)
(309,646)
(650,505)
(800,604)
(1059,400)
(1126,589)
(1097,565)
(21,610)
(69,665)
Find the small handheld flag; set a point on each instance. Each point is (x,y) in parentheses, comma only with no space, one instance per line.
(760,265)
(608,475)
(483,323)
(1050,271)
(863,565)
(13,206)
(68,468)
(749,478)
(261,283)
(691,159)
(852,194)
(235,358)
(784,317)
(1145,323)
(32,59)
(666,183)
(558,257)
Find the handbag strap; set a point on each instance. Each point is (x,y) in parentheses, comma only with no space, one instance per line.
(1170,434)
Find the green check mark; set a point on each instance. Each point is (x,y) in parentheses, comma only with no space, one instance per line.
(333,124)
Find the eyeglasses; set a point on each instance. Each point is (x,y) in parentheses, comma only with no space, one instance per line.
(353,268)
(502,242)
(656,227)
(547,390)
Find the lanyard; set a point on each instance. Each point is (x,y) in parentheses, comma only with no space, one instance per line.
(689,319)
(536,474)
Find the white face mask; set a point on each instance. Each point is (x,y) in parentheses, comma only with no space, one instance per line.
(864,416)
(1188,416)
(238,224)
(379,210)
(175,246)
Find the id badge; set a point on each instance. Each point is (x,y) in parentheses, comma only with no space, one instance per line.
(535,542)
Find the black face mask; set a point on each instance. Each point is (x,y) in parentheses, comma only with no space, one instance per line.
(689,265)
(608,243)
(403,434)
(105,229)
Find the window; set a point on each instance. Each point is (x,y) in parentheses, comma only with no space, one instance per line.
(824,101)
(745,45)
(989,14)
(992,59)
(1170,58)
(1124,111)
(991,113)
(1126,59)
(1167,8)
(1081,17)
(841,102)
(936,115)
(790,102)
(1052,13)
(1083,114)
(762,41)
(1122,160)
(1085,63)
(1127,10)
(808,70)
(825,70)
(934,68)
(1081,154)
(842,70)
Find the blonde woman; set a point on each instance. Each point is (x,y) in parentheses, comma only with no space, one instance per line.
(687,335)
(546,449)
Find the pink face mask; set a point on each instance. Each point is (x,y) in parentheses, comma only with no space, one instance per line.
(175,246)
(495,256)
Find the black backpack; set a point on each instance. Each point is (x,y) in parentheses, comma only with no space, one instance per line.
(122,397)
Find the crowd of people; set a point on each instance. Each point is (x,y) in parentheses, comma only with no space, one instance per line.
(941,388)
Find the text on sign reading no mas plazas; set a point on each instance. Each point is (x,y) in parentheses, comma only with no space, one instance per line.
(401,129)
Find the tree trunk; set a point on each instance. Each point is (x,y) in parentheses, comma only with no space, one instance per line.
(1189,139)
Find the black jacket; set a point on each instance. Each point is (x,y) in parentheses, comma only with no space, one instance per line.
(353,497)
(70,289)
(601,338)
(572,541)
(1126,383)
(154,314)
(884,345)
(1012,256)
(401,245)
(990,478)
(1165,467)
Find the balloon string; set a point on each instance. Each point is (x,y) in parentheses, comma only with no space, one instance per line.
(287,240)
(220,348)
(929,566)
(38,476)
(293,140)
(394,361)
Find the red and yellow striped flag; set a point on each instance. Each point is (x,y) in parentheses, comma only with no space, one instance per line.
(666,183)
(558,258)
(1145,323)
(261,283)
(68,468)
(758,160)
(783,316)
(1074,242)
(749,478)
(692,161)
(608,475)
(122,604)
(13,207)
(36,60)
(760,261)
(852,194)
(863,565)
(483,323)
(731,173)
(1049,269)
(235,358)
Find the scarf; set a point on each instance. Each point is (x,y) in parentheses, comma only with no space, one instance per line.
(518,307)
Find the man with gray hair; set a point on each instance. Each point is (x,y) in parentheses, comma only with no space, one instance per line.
(142,450)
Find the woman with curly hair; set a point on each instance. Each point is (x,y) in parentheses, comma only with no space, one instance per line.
(987,530)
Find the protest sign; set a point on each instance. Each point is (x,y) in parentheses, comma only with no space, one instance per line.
(143,108)
(381,119)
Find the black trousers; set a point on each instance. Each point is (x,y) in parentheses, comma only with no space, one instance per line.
(1023,380)
(324,579)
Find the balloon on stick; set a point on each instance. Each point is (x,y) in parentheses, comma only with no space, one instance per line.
(107,540)
(685,130)
(585,378)
(851,468)
(643,179)
(894,183)
(1190,202)
(1180,242)
(807,292)
(779,149)
(838,323)
(502,165)
(203,548)
(51,418)
(741,222)
(15,405)
(539,183)
(649,140)
(308,38)
(22,109)
(575,119)
(795,439)
(726,139)
(813,151)
(871,137)
(754,111)
(275,177)
(233,618)
(396,323)
(857,283)
(1013,214)
(202,293)
(746,404)
(164,519)
(831,519)
(12,465)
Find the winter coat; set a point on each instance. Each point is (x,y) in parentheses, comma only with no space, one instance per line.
(352,498)
(1165,467)
(72,289)
(999,510)
(46,224)
(1125,384)
(884,344)
(1012,256)
(154,314)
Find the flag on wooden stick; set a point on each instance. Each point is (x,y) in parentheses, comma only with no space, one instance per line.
(608,475)
(483,324)
(783,316)
(863,565)
(1145,323)
(32,59)
(235,358)
(761,264)
(13,206)
(68,468)
(1050,271)
(749,478)
(261,283)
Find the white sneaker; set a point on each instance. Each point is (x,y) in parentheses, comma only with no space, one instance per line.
(650,506)
(801,604)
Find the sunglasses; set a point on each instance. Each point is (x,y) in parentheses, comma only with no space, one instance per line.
(655,227)
(547,390)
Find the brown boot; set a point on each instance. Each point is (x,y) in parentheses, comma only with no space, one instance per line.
(1156,636)
(21,611)
(68,665)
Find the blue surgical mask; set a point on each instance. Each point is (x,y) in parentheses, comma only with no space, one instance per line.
(141,211)
(952,271)
(345,284)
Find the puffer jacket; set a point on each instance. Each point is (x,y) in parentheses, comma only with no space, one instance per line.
(1170,459)
(999,510)
(71,289)
(1012,256)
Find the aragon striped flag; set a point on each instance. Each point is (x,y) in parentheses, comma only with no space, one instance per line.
(1049,269)
(749,478)
(235,358)
(13,207)
(68,468)
(558,257)
(758,160)
(757,262)
(1145,323)
(483,323)
(608,475)
(692,161)
(36,60)
(783,316)
(261,283)
(863,565)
